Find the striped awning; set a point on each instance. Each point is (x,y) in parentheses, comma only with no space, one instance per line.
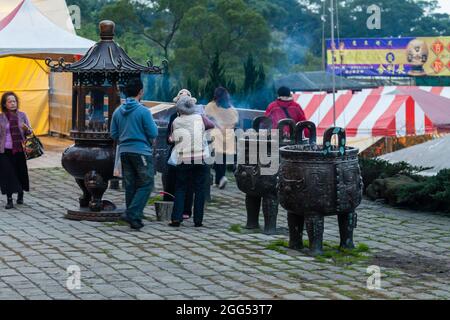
(367,115)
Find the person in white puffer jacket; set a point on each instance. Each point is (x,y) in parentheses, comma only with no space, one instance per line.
(189,154)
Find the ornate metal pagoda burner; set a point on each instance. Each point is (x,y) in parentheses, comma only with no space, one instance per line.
(96,78)
(317,181)
(260,188)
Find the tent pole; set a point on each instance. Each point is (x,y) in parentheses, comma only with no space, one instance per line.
(333,48)
(323,36)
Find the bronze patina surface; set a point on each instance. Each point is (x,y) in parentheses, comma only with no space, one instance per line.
(97,78)
(317,181)
(260,188)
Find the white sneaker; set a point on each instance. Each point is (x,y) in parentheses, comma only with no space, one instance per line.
(223,182)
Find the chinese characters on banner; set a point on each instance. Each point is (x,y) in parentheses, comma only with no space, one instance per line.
(399,57)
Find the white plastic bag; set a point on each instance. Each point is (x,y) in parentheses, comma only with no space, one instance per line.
(173,159)
(117,165)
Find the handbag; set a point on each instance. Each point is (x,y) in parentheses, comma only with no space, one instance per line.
(32,147)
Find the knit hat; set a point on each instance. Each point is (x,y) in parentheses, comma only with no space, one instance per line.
(284,94)
(186,105)
(184,92)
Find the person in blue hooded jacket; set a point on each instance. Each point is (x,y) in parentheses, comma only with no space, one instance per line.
(134,129)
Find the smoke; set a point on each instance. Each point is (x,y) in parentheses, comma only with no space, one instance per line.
(294,49)
(257,100)
(292,52)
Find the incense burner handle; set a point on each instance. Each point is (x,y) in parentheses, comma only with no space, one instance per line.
(340,132)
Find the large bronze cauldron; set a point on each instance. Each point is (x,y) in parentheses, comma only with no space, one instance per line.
(91,163)
(317,181)
(256,186)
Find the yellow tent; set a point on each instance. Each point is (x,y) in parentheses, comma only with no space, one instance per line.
(27,36)
(32,89)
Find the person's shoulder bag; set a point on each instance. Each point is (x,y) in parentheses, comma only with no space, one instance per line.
(32,147)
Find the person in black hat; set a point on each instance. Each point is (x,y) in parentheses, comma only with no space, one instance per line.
(284,107)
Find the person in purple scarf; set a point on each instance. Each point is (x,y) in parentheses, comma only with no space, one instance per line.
(14,127)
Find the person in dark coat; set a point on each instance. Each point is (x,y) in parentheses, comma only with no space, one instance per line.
(14,127)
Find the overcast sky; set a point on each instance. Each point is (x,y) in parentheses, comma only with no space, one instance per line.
(445,6)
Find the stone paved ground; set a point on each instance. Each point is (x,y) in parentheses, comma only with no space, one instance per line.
(214,262)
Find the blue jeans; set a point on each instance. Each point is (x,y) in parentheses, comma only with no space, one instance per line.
(138,177)
(187,176)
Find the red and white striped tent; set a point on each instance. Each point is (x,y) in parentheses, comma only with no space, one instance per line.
(367,115)
(440,91)
(298,93)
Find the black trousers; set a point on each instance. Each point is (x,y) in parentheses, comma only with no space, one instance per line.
(186,175)
(13,173)
(170,180)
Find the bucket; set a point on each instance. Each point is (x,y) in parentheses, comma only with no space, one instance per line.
(163,210)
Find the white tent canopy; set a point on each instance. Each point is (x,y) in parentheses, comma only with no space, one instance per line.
(55,10)
(26,31)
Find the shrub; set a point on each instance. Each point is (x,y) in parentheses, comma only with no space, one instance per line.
(372,169)
(432,194)
(400,185)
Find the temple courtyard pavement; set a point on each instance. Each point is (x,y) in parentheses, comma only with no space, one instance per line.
(400,254)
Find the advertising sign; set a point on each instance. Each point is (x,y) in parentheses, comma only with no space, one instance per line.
(399,57)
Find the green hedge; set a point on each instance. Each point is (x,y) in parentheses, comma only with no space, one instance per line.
(372,169)
(400,185)
(432,194)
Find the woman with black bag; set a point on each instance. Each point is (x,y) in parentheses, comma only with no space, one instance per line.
(14,128)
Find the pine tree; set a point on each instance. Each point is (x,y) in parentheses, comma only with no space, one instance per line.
(255,91)
(217,77)
(149,82)
(231,86)
(251,75)
(164,91)
(193,86)
(261,81)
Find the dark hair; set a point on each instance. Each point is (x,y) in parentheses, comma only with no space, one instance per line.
(222,97)
(5,97)
(284,92)
(133,87)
